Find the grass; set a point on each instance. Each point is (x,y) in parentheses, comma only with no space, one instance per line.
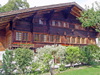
(82,71)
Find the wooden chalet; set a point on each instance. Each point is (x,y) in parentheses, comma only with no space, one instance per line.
(45,25)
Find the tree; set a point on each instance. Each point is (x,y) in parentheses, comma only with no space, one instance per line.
(14,5)
(83,55)
(91,17)
(23,59)
(72,54)
(92,53)
(8,65)
(47,53)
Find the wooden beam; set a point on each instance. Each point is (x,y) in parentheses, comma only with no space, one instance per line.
(7,17)
(32,23)
(25,16)
(43,12)
(75,13)
(5,21)
(2,27)
(76,8)
(67,13)
(50,16)
(20,15)
(62,7)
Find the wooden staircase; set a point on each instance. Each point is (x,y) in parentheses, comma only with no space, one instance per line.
(1,47)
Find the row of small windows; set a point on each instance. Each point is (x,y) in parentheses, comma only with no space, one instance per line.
(59,24)
(19,36)
(55,23)
(80,40)
(43,38)
(76,40)
(24,36)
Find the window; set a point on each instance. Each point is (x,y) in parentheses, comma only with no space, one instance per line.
(44,38)
(93,41)
(25,36)
(59,23)
(90,41)
(67,25)
(53,23)
(40,21)
(64,24)
(78,40)
(73,39)
(51,38)
(36,37)
(83,40)
(68,40)
(57,38)
(82,28)
(18,35)
(76,26)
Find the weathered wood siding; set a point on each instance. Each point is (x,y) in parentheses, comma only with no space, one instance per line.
(8,39)
(22,25)
(31,26)
(2,40)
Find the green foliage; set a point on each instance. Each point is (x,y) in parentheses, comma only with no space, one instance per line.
(14,5)
(62,67)
(46,55)
(0,67)
(95,70)
(0,62)
(91,17)
(8,65)
(34,65)
(83,55)
(23,59)
(72,54)
(89,54)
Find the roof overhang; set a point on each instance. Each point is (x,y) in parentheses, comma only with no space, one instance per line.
(6,17)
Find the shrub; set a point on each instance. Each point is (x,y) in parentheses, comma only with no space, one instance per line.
(46,55)
(62,67)
(72,54)
(23,59)
(8,65)
(83,55)
(0,62)
(89,54)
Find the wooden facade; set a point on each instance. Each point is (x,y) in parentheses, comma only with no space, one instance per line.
(46,25)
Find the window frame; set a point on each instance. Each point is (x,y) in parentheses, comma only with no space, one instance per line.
(43,38)
(76,26)
(53,24)
(93,41)
(56,39)
(79,40)
(41,21)
(59,23)
(18,35)
(67,25)
(72,40)
(83,40)
(64,24)
(38,37)
(25,36)
(69,39)
(49,38)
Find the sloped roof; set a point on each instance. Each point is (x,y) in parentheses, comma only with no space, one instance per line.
(9,16)
(40,8)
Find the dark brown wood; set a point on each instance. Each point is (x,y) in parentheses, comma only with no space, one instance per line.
(28,20)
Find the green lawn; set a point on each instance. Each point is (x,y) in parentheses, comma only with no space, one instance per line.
(82,71)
